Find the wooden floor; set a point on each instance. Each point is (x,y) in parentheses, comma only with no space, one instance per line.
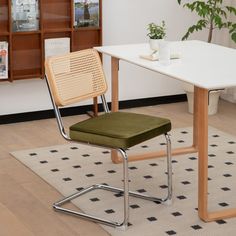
(25,199)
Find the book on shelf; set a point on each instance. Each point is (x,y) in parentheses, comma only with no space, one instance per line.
(56,46)
(86,13)
(25,15)
(3,60)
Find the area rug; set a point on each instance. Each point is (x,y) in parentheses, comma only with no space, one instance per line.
(72,167)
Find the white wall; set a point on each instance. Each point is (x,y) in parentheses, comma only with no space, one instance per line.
(124,21)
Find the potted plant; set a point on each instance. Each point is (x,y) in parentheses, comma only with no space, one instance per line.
(213,15)
(156,33)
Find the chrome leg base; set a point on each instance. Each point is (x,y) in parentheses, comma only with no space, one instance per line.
(57,207)
(121,226)
(125,191)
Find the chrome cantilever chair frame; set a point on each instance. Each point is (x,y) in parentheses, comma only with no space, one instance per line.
(125,191)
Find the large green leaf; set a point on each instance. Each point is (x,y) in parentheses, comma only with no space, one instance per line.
(233,36)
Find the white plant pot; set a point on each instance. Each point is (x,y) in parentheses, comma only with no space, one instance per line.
(154,44)
(213,99)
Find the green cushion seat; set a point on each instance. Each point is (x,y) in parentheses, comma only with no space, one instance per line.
(119,129)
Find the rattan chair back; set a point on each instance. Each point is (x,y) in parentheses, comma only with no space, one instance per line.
(75,76)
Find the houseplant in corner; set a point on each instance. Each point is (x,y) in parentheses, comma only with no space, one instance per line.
(156,33)
(213,14)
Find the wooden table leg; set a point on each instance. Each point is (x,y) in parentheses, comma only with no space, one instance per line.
(201,112)
(114,98)
(195,120)
(201,129)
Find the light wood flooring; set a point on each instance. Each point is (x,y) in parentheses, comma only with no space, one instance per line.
(25,199)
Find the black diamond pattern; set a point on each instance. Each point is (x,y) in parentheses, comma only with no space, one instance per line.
(230,152)
(43,162)
(221,222)
(67,179)
(109,211)
(98,163)
(135,206)
(118,195)
(163,186)
(181,197)
(85,155)
(65,158)
(53,151)
(184,132)
(33,154)
(228,163)
(133,168)
(153,164)
(162,144)
(141,190)
(77,166)
(152,218)
(196,227)
(79,188)
(171,232)
(176,213)
(231,142)
(225,189)
(227,175)
(223,204)
(90,175)
(147,176)
(180,141)
(105,152)
(95,199)
(211,155)
(214,145)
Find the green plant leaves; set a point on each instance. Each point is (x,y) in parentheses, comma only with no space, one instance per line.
(233,37)
(199,26)
(156,31)
(212,15)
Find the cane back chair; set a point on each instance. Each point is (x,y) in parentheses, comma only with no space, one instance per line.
(78,76)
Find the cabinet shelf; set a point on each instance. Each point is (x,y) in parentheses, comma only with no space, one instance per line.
(26,32)
(2,33)
(57,30)
(87,28)
(28,76)
(26,49)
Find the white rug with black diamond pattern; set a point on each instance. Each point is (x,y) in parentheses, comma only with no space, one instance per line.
(72,167)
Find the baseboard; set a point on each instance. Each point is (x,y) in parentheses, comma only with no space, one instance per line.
(70,111)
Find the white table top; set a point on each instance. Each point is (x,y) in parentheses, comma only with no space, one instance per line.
(202,64)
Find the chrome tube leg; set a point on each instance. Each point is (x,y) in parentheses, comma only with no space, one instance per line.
(126,188)
(123,225)
(169,168)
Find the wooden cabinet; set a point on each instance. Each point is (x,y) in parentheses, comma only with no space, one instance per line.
(56,20)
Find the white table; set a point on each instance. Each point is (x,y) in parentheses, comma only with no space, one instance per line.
(206,66)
